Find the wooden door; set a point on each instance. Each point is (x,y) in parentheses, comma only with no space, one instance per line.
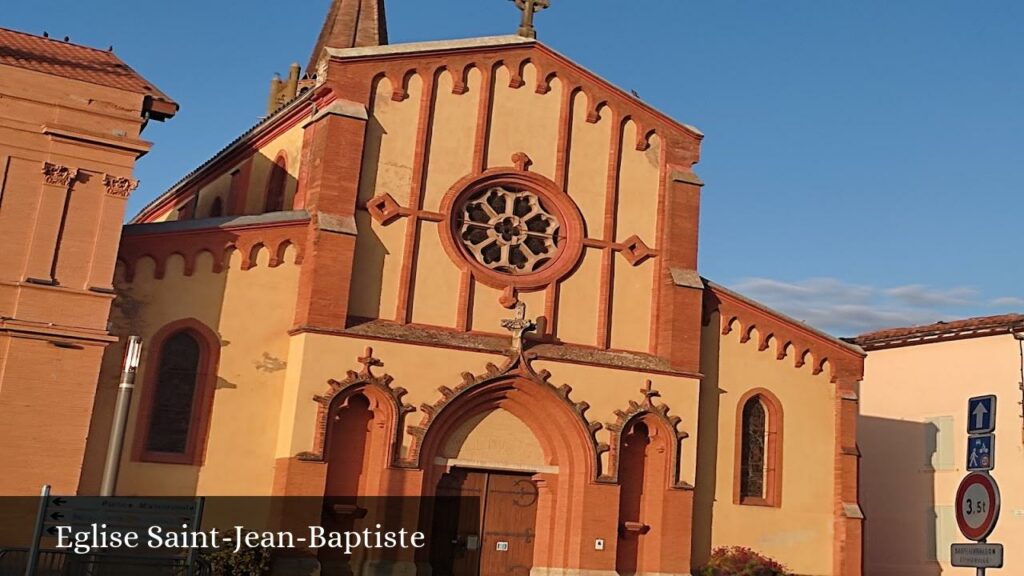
(455,548)
(484,524)
(509,527)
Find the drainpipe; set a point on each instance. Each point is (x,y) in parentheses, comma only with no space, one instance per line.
(1019,337)
(124,401)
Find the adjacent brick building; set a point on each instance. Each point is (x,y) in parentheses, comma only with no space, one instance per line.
(70,123)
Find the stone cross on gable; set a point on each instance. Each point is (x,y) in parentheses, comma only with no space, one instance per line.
(530,8)
(519,326)
(649,393)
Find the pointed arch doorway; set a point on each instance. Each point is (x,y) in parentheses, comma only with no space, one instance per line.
(489,494)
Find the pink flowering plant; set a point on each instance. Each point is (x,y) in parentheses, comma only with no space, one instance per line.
(739,561)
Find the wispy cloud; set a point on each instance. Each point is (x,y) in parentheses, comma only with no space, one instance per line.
(1008,302)
(848,309)
(920,295)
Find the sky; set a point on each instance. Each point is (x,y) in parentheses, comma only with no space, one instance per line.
(862,157)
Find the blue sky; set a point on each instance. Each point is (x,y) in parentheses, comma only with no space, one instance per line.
(863,157)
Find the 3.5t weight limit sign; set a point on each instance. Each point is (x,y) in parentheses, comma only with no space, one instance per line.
(977,506)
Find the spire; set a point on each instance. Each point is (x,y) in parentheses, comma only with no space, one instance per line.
(349,24)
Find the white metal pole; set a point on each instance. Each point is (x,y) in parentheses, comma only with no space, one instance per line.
(33,553)
(124,401)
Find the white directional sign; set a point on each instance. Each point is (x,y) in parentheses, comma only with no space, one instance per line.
(977,555)
(981,415)
(977,506)
(80,513)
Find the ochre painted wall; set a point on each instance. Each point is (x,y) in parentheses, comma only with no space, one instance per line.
(906,394)
(799,533)
(422,370)
(520,119)
(252,311)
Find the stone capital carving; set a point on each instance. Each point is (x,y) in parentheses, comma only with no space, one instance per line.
(59,175)
(119,186)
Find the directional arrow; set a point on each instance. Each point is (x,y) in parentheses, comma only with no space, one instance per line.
(57,515)
(979,415)
(58,501)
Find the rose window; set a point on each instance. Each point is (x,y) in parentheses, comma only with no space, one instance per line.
(509,231)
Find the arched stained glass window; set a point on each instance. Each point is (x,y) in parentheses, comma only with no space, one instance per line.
(217,208)
(174,397)
(759,449)
(752,459)
(275,186)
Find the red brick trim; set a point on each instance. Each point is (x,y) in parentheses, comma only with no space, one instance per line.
(655,416)
(239,193)
(849,530)
(791,339)
(242,148)
(611,205)
(411,250)
(278,177)
(773,450)
(219,242)
(202,401)
(567,212)
(547,409)
(364,381)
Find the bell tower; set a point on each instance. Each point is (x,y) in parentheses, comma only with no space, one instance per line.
(351,24)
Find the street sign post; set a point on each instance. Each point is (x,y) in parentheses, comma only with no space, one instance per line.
(981,415)
(977,499)
(981,453)
(977,556)
(977,506)
(82,513)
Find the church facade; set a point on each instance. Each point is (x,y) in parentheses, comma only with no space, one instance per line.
(471,266)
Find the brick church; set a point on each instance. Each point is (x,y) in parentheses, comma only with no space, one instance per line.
(469,267)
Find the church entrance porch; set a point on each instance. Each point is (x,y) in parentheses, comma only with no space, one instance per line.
(503,473)
(485,524)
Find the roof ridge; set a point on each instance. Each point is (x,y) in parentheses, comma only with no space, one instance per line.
(975,326)
(798,324)
(266,120)
(61,42)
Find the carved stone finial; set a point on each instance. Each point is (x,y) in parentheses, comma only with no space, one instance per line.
(519,326)
(59,175)
(521,161)
(369,362)
(649,393)
(119,186)
(530,8)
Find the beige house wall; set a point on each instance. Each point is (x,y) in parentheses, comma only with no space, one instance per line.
(913,437)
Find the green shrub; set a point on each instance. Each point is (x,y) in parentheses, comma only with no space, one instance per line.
(739,561)
(247,562)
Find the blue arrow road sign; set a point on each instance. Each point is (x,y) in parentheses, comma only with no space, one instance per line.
(981,415)
(981,453)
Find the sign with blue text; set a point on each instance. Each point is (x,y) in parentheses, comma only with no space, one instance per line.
(981,453)
(981,415)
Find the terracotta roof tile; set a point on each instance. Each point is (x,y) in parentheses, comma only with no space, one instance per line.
(940,331)
(74,61)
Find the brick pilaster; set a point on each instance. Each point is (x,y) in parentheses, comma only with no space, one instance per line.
(329,183)
(849,522)
(680,291)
